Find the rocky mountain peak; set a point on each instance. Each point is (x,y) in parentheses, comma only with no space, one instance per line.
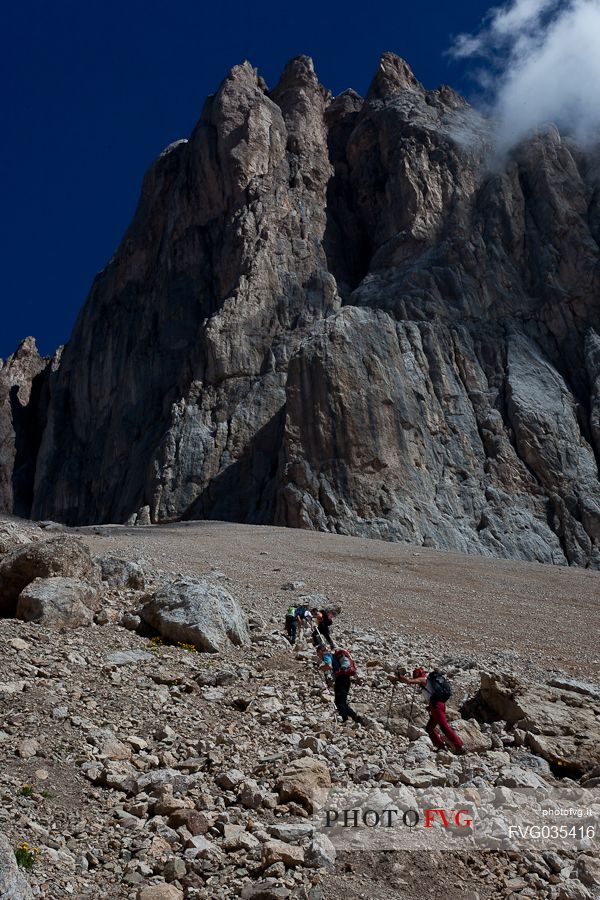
(27,347)
(299,71)
(338,315)
(393,75)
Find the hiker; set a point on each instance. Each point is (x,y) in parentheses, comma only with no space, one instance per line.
(436,690)
(304,619)
(325,663)
(317,637)
(291,624)
(324,620)
(343,668)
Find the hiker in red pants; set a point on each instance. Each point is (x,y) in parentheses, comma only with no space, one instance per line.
(436,690)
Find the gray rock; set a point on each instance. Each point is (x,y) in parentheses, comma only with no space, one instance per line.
(573,890)
(15,534)
(65,602)
(320,853)
(130,621)
(121,573)
(13,884)
(230,779)
(561,726)
(290,832)
(198,613)
(267,889)
(174,869)
(578,685)
(126,657)
(514,777)
(56,557)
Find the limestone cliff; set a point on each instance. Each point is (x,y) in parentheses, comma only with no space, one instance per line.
(345,314)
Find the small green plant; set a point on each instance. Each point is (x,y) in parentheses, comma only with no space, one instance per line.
(26,790)
(156,643)
(47,795)
(26,855)
(189,647)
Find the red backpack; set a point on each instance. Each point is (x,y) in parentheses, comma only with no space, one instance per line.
(346,665)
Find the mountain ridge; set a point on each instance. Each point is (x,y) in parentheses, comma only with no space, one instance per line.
(332,313)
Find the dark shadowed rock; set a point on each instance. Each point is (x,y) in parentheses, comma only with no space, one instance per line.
(23,402)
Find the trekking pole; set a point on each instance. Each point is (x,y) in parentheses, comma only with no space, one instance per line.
(389,713)
(409,723)
(332,695)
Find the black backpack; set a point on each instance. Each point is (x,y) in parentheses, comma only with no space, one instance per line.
(441,689)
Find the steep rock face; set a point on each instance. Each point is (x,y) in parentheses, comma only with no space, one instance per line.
(344,313)
(171,390)
(465,419)
(383,439)
(22,412)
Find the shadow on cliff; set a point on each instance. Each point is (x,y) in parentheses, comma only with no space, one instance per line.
(246,490)
(28,423)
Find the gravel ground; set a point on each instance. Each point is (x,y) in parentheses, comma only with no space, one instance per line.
(425,605)
(549,615)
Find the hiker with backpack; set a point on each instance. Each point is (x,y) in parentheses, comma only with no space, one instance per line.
(436,690)
(304,619)
(325,657)
(291,624)
(343,670)
(324,620)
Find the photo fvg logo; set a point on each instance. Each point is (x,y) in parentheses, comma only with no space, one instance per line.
(389,818)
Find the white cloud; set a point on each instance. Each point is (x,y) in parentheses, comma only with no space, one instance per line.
(521,14)
(544,56)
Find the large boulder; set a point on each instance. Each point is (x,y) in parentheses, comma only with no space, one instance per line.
(197,612)
(160,892)
(65,602)
(15,534)
(561,725)
(13,884)
(305,781)
(58,556)
(473,737)
(121,573)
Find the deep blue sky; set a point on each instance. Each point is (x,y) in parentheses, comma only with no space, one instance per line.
(95,89)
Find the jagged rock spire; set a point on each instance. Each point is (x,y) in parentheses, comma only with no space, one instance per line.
(393,74)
